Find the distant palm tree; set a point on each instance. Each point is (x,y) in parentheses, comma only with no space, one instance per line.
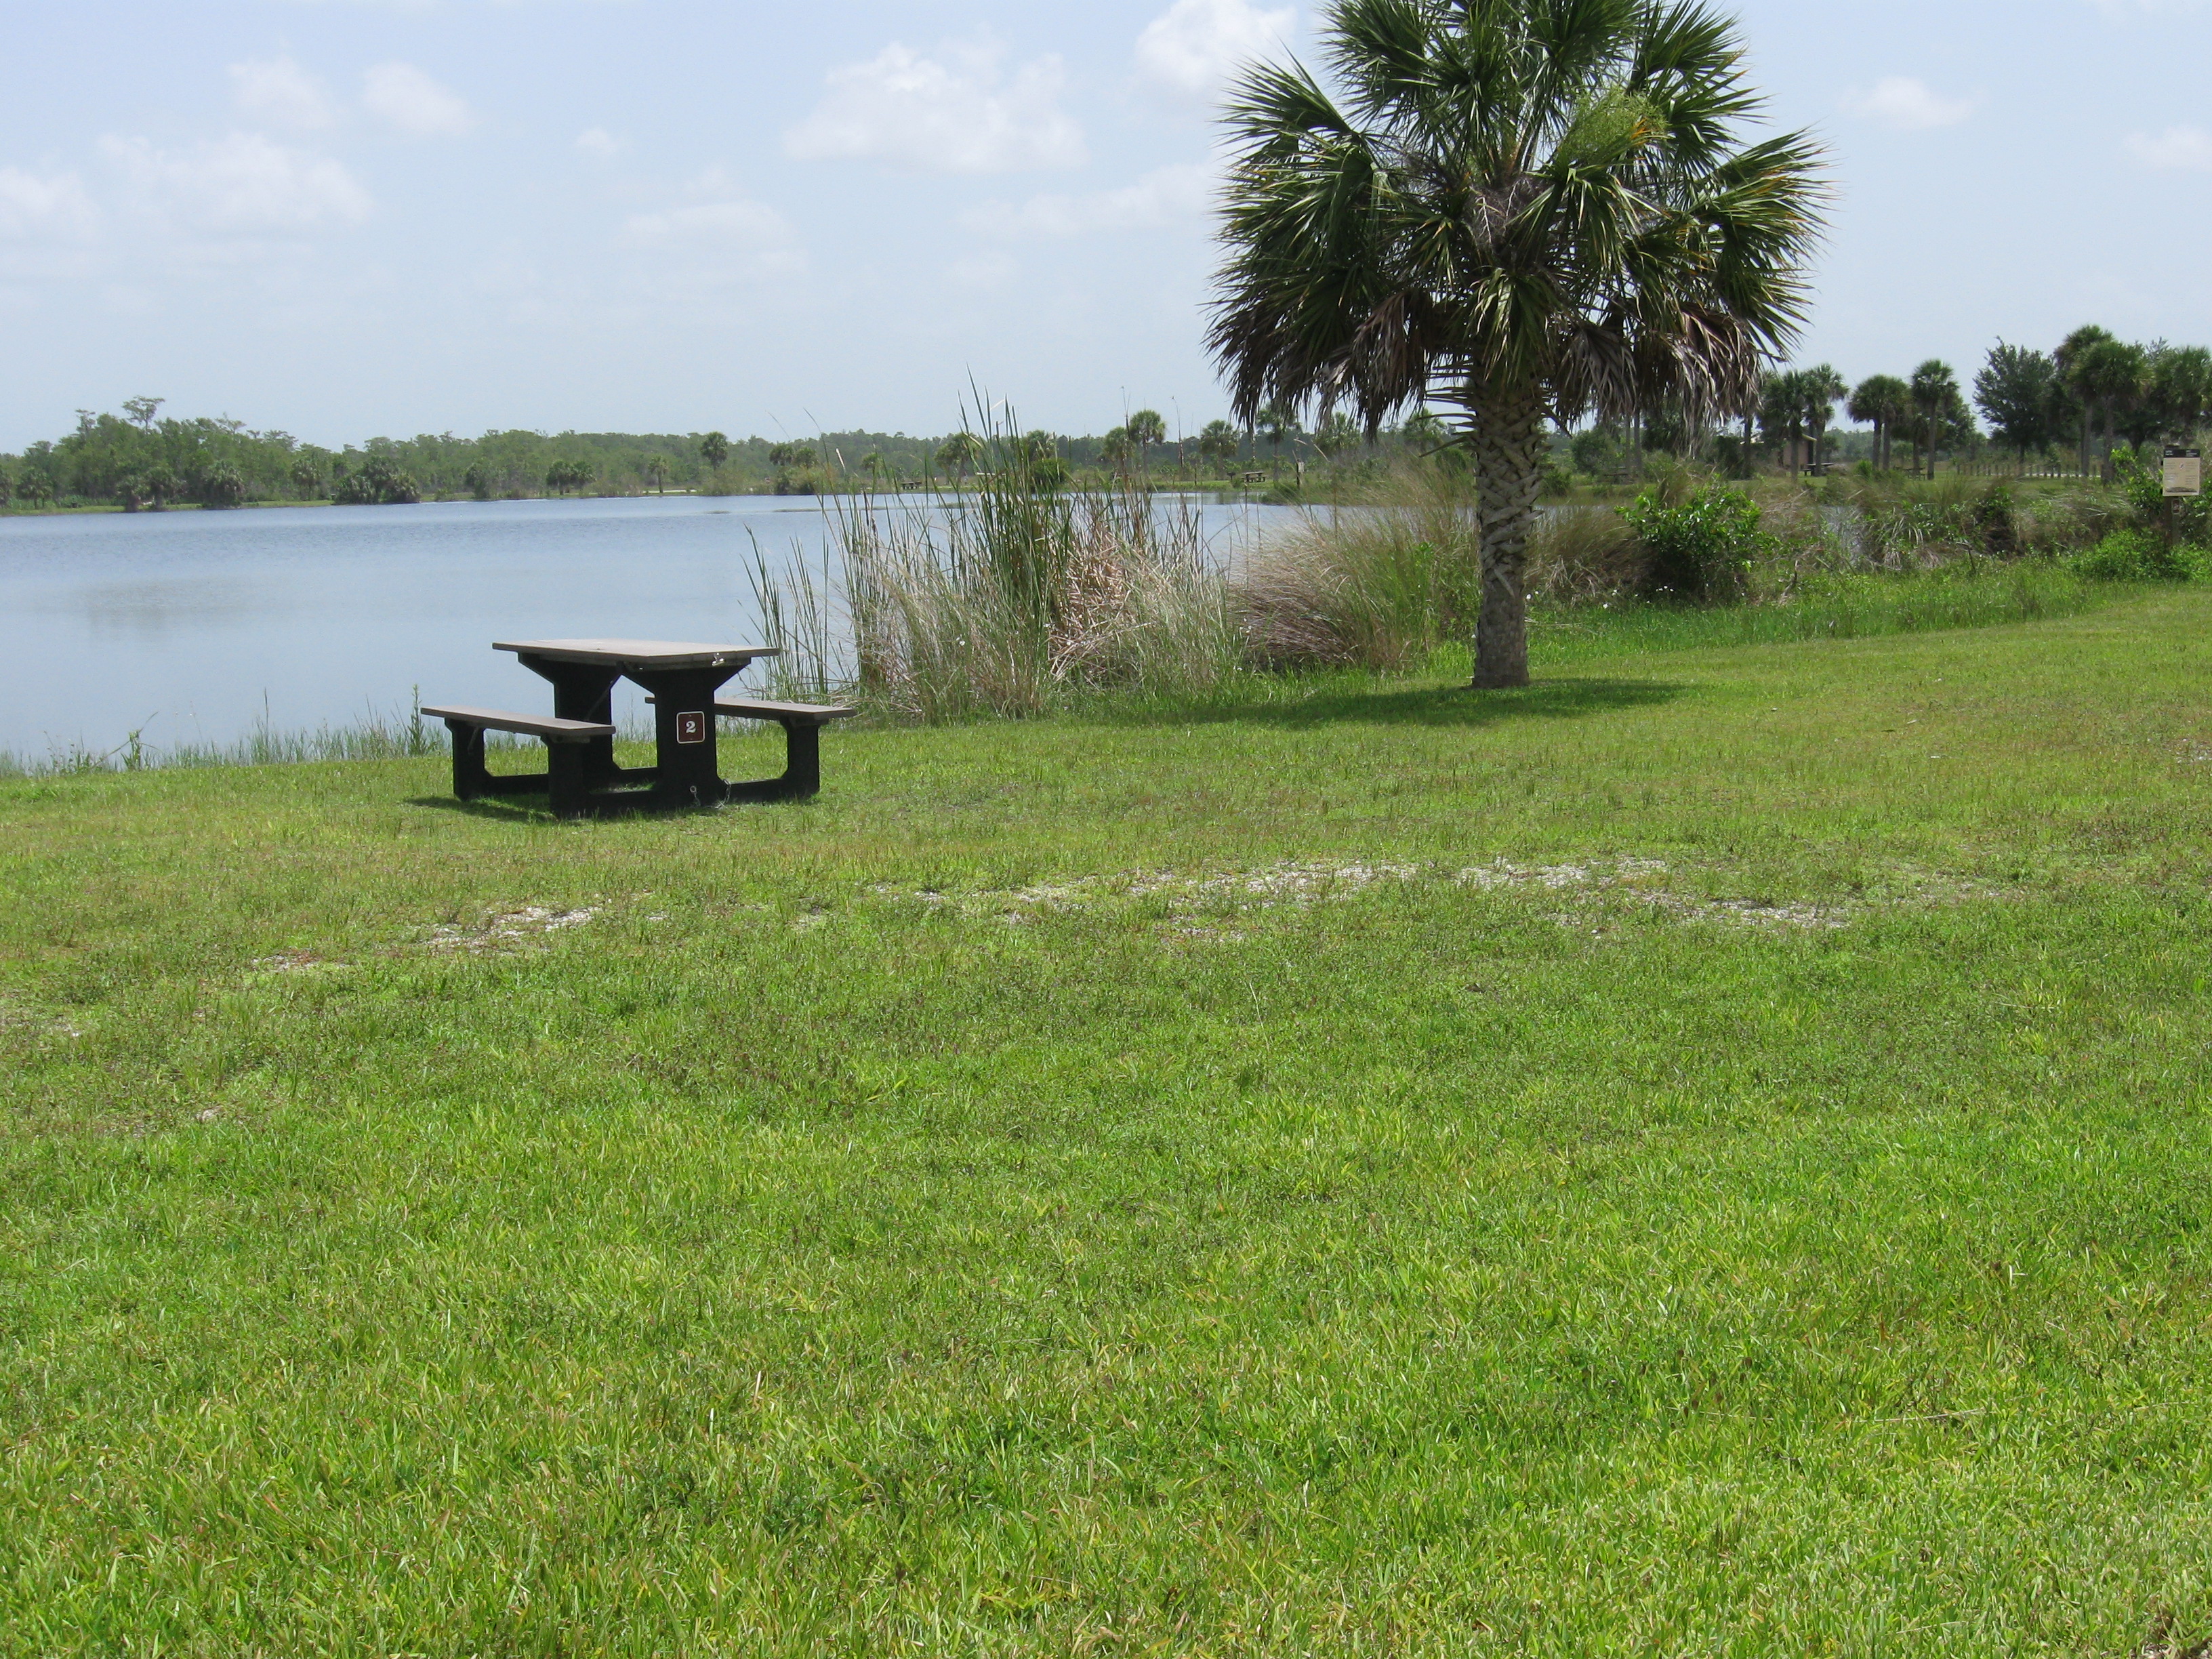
(1218,444)
(1935,395)
(1336,434)
(1822,389)
(1145,427)
(1525,211)
(1425,429)
(959,454)
(1880,401)
(1274,423)
(2108,375)
(713,449)
(656,472)
(1782,401)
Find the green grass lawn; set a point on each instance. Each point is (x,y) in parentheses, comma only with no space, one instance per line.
(1708,1155)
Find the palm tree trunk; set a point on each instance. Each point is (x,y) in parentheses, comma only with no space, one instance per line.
(1508,445)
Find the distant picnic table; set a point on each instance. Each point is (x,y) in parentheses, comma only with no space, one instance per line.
(683,680)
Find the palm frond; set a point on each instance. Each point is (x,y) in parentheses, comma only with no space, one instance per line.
(1512,196)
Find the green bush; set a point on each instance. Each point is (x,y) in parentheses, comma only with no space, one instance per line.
(380,482)
(220,486)
(2141,556)
(1703,549)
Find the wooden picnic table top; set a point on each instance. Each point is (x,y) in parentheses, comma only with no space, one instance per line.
(640,653)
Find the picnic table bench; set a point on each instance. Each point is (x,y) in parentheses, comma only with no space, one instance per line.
(682,681)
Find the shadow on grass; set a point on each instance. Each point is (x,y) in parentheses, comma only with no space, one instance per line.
(536,809)
(1440,705)
(498,809)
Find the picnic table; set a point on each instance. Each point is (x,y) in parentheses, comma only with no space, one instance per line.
(682,681)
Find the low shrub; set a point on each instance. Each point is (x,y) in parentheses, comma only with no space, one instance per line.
(2141,556)
(380,482)
(1703,547)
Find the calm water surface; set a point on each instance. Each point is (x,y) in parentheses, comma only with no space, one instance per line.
(198,626)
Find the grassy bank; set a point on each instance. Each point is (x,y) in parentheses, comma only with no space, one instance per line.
(1704,1155)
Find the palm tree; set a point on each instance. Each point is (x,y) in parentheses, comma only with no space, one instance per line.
(959,453)
(1274,421)
(1523,209)
(1218,444)
(656,471)
(1880,401)
(2107,375)
(713,449)
(1781,400)
(1822,389)
(1144,428)
(2070,356)
(1936,396)
(1336,434)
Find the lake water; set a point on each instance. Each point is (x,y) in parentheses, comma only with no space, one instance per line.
(197,627)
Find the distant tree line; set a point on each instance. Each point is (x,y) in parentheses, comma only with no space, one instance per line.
(2067,408)
(141,460)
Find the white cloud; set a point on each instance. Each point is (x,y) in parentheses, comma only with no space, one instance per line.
(721,224)
(241,183)
(952,113)
(2187,148)
(278,90)
(724,239)
(1190,49)
(414,104)
(598,143)
(991,271)
(31,207)
(1900,102)
(1165,196)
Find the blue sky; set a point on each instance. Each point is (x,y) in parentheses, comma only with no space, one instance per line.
(344,217)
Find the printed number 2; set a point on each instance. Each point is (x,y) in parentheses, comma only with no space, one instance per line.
(691,726)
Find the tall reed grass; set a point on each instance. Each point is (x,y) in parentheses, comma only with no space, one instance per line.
(1010,600)
(1377,583)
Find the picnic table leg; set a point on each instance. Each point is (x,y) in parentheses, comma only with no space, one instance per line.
(684,734)
(568,784)
(584,692)
(802,766)
(471,777)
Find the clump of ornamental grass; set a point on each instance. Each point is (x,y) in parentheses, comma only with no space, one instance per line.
(1017,596)
(1586,556)
(1377,584)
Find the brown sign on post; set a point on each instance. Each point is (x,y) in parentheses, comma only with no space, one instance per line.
(2185,471)
(691,726)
